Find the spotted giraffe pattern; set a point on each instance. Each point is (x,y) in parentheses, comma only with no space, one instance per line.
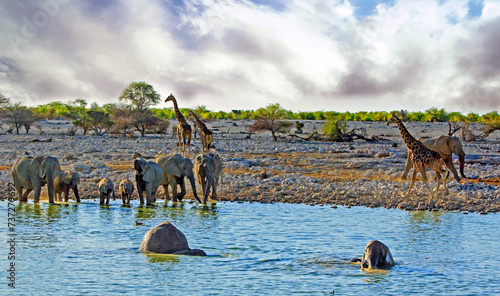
(183,128)
(422,157)
(206,135)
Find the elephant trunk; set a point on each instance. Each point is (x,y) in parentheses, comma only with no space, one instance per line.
(65,190)
(193,186)
(50,185)
(207,190)
(77,195)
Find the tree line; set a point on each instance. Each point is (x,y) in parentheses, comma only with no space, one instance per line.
(135,112)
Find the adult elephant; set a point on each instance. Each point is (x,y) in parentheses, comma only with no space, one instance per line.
(33,173)
(64,182)
(175,168)
(445,146)
(148,177)
(208,169)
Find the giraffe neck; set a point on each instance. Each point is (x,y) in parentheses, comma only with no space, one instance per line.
(409,140)
(178,114)
(200,124)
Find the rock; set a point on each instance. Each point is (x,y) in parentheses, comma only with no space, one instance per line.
(82,168)
(167,239)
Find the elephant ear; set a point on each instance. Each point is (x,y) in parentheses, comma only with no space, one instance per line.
(75,178)
(218,161)
(137,165)
(171,166)
(35,167)
(66,177)
(103,186)
(148,173)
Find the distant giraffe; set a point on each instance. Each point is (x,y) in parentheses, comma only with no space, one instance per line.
(422,158)
(183,128)
(206,135)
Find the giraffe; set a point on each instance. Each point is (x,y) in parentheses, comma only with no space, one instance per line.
(206,135)
(422,158)
(183,128)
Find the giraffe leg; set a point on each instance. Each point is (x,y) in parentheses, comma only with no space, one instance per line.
(180,142)
(421,168)
(189,144)
(203,143)
(413,177)
(438,178)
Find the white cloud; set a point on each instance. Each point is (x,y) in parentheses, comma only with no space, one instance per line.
(311,55)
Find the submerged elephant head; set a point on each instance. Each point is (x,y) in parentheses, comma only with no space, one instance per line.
(377,256)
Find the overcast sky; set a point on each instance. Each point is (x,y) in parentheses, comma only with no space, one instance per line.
(306,55)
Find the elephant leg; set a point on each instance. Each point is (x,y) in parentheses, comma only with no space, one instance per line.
(451,167)
(408,166)
(19,190)
(182,184)
(36,193)
(149,197)
(25,195)
(174,191)
(141,196)
(203,185)
(124,198)
(107,198)
(214,192)
(167,196)
(101,198)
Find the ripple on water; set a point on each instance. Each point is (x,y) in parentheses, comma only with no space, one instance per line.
(254,249)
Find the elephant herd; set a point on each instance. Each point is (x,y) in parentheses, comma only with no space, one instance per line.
(31,173)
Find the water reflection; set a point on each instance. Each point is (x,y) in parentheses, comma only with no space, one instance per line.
(48,212)
(160,258)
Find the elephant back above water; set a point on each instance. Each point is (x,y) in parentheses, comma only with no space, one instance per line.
(175,168)
(33,173)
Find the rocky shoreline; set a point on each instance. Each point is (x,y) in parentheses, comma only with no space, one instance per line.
(261,170)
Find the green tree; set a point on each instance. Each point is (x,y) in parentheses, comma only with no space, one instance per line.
(144,120)
(80,115)
(140,95)
(268,119)
(99,122)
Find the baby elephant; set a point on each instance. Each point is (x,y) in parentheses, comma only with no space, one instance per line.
(377,256)
(126,189)
(106,188)
(64,182)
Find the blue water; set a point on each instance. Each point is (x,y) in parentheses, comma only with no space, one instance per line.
(254,249)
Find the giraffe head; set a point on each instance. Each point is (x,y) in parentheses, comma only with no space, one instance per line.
(170,98)
(394,119)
